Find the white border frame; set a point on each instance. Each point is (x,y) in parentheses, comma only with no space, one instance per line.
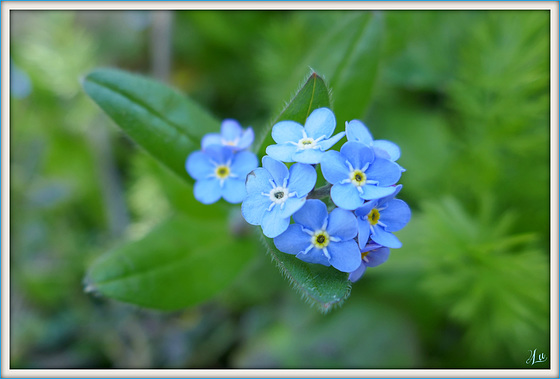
(552,6)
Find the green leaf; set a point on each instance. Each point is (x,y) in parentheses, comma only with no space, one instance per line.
(312,95)
(348,58)
(180,263)
(321,286)
(168,125)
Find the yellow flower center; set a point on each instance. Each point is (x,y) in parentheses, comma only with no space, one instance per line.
(373,216)
(320,239)
(364,254)
(358,178)
(222,171)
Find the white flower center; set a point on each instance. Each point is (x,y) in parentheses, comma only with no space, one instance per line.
(230,143)
(306,143)
(278,195)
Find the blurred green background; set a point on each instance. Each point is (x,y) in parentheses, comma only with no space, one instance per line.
(464,93)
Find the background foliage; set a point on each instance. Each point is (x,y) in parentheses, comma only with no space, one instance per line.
(464,93)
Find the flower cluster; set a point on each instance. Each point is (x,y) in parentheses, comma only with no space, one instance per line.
(222,165)
(361,188)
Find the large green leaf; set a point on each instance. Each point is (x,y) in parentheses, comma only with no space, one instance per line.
(321,286)
(168,125)
(347,57)
(354,76)
(180,263)
(312,95)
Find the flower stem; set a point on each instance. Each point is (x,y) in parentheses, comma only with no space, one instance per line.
(319,193)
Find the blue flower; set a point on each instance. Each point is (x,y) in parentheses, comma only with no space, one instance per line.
(372,255)
(274,194)
(220,173)
(305,144)
(378,219)
(231,135)
(357,175)
(358,132)
(319,237)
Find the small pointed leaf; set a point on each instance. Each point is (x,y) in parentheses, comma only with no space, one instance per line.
(323,287)
(312,95)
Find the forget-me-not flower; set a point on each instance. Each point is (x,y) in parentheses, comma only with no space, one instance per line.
(372,255)
(379,218)
(357,175)
(274,193)
(358,132)
(232,135)
(305,144)
(320,237)
(219,172)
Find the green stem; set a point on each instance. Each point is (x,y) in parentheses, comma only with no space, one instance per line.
(319,193)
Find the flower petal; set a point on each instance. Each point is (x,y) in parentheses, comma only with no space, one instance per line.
(346,196)
(372,192)
(384,238)
(231,129)
(293,240)
(363,232)
(311,156)
(281,152)
(211,139)
(285,131)
(385,199)
(377,257)
(302,179)
(342,224)
(321,122)
(384,171)
(199,166)
(366,208)
(357,154)
(243,163)
(234,191)
(358,132)
(220,154)
(312,215)
(277,169)
(207,191)
(290,206)
(327,144)
(246,139)
(396,216)
(392,149)
(272,224)
(314,256)
(345,255)
(354,276)
(258,181)
(253,208)
(334,168)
